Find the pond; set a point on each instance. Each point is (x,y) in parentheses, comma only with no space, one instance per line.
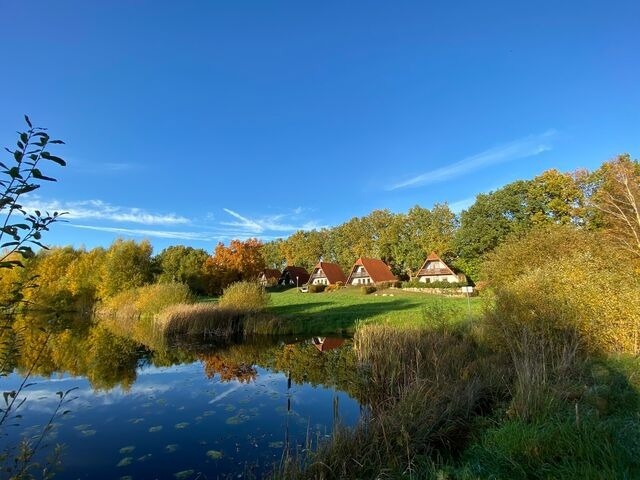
(183,410)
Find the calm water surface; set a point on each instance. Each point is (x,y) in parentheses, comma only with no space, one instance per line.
(188,411)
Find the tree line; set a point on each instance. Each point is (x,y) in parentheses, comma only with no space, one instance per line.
(606,201)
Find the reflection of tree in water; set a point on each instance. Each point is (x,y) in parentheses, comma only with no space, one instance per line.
(109,357)
(76,346)
(228,369)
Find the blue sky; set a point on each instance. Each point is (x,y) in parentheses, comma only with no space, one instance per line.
(197,122)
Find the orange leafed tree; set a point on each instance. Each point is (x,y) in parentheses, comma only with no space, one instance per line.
(241,260)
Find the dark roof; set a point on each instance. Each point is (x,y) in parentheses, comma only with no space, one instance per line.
(301,273)
(271,273)
(433,257)
(377,270)
(332,271)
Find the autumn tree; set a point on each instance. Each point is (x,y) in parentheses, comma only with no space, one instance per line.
(241,260)
(616,196)
(272,254)
(304,249)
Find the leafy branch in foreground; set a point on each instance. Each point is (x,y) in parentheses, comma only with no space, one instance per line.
(21,175)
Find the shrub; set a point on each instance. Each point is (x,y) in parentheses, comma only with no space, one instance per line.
(317,288)
(244,296)
(367,289)
(145,301)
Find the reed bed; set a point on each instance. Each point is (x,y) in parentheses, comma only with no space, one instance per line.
(200,319)
(424,388)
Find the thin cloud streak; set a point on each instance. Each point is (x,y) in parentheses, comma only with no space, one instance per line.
(139,232)
(525,147)
(99,210)
(271,223)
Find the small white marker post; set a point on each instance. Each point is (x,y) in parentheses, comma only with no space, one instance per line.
(468,290)
(297,284)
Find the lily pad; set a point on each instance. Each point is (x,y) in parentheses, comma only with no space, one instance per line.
(157,428)
(237,419)
(125,450)
(208,413)
(172,447)
(230,408)
(136,420)
(144,458)
(276,444)
(181,425)
(214,454)
(84,426)
(88,433)
(183,474)
(125,461)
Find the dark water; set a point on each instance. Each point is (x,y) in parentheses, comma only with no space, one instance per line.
(180,411)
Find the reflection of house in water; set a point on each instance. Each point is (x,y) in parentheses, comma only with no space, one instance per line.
(293,275)
(327,343)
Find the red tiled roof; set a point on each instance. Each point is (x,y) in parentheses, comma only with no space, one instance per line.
(332,271)
(377,270)
(301,273)
(433,257)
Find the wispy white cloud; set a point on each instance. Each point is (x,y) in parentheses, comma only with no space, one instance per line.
(270,223)
(141,232)
(522,148)
(99,210)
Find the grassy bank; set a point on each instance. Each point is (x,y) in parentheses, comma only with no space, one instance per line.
(341,310)
(444,404)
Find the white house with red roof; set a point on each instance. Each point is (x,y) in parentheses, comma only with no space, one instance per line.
(435,270)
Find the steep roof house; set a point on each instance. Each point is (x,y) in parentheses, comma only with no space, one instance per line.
(325,273)
(269,276)
(435,270)
(292,275)
(368,271)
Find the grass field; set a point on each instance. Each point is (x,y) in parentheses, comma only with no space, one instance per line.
(342,310)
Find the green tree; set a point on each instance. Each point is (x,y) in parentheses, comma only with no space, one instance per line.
(183,264)
(126,265)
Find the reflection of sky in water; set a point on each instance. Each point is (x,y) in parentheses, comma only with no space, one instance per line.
(174,419)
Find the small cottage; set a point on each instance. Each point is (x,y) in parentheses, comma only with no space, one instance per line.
(269,277)
(435,270)
(325,273)
(367,271)
(293,275)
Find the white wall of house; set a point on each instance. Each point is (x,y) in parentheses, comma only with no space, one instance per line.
(437,278)
(361,281)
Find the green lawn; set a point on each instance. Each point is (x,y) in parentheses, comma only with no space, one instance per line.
(341,310)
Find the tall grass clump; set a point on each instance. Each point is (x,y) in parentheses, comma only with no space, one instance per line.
(147,301)
(237,313)
(423,389)
(200,318)
(244,296)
